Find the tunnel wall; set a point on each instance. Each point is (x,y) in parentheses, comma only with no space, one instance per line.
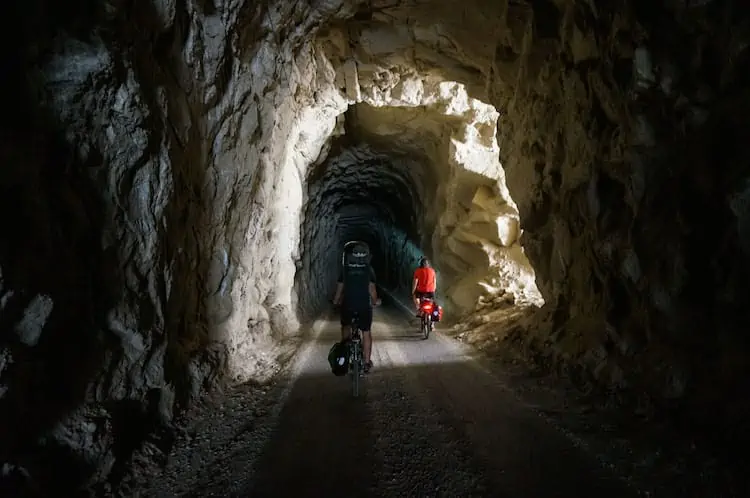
(151,253)
(612,223)
(619,133)
(470,222)
(619,136)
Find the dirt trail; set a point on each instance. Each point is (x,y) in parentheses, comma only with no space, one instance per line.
(431,422)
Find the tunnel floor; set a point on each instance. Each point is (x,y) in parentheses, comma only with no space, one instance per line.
(431,422)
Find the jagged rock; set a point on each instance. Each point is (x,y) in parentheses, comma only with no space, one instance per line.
(29,329)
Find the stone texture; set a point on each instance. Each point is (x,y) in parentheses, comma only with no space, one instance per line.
(173,171)
(436,150)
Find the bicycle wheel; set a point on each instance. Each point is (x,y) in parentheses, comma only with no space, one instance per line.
(356,366)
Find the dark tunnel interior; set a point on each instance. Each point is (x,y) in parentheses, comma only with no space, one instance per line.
(362,192)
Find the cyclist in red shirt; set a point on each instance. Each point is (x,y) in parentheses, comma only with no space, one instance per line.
(425,282)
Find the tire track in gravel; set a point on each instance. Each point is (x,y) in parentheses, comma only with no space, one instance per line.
(382,444)
(431,423)
(323,443)
(417,455)
(522,453)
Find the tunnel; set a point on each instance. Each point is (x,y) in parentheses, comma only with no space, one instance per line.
(361,193)
(380,182)
(180,176)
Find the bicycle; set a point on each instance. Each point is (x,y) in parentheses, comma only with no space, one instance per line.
(426,306)
(356,352)
(356,356)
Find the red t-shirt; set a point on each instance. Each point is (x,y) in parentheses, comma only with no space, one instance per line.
(425,278)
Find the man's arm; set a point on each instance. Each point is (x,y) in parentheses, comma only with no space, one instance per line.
(373,288)
(339,289)
(414,285)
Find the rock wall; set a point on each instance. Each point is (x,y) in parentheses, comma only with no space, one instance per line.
(450,200)
(152,201)
(470,224)
(619,132)
(632,198)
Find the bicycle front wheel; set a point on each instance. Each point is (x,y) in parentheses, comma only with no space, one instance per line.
(356,367)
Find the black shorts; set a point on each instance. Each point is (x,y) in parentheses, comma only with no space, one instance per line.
(364,316)
(420,295)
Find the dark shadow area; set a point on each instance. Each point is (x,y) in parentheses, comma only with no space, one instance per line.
(319,448)
(61,256)
(56,281)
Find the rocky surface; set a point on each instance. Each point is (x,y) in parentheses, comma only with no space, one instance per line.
(414,175)
(430,421)
(172,170)
(236,442)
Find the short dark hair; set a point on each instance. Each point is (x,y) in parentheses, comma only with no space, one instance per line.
(423,262)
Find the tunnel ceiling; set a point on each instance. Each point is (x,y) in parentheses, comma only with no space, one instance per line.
(358,173)
(160,222)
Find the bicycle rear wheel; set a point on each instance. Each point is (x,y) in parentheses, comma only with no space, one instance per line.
(426,328)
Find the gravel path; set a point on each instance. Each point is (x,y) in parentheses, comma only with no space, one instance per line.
(431,422)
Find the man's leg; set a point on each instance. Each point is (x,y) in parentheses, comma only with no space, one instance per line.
(366,317)
(367,345)
(346,320)
(417,300)
(346,332)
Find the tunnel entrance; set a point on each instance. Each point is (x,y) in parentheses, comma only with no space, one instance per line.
(410,179)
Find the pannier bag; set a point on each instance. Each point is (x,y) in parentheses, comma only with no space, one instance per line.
(338,358)
(437,313)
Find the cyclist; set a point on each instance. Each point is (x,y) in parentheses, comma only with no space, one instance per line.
(356,293)
(425,283)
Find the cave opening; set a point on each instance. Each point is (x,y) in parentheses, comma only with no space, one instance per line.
(414,178)
(361,192)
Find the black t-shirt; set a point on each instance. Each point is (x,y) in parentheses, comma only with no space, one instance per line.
(356,280)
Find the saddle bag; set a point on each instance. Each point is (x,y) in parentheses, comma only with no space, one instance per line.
(338,359)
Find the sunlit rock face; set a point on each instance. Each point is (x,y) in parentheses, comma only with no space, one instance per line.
(471,224)
(450,200)
(165,195)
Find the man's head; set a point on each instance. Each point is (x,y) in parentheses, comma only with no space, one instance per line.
(424,262)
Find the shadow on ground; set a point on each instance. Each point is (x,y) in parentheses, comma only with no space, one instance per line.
(437,427)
